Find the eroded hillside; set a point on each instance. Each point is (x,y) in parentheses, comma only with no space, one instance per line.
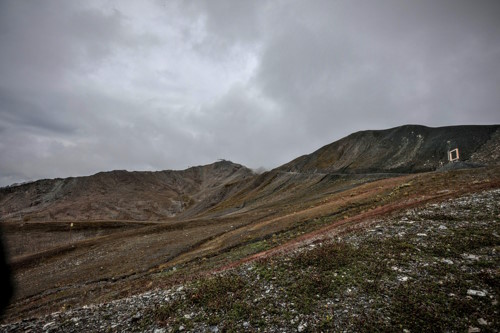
(405,149)
(94,239)
(121,195)
(225,187)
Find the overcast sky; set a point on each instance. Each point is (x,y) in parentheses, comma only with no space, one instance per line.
(89,86)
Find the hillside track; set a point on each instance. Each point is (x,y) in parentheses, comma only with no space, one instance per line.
(131,261)
(354,223)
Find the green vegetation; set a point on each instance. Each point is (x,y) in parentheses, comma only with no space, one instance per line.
(388,279)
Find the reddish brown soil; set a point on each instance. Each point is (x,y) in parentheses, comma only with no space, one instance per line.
(134,258)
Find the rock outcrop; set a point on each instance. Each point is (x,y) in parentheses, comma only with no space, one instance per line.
(404,149)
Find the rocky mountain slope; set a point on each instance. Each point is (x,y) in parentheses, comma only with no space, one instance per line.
(224,187)
(405,149)
(121,195)
(432,268)
(96,239)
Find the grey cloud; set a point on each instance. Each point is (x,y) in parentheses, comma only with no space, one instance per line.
(46,40)
(121,136)
(93,86)
(235,21)
(15,111)
(365,65)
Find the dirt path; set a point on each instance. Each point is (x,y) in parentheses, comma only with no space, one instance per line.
(140,257)
(353,223)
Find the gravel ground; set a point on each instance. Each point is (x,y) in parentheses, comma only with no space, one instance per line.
(433,268)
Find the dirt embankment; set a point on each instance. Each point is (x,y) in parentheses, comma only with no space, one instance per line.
(126,262)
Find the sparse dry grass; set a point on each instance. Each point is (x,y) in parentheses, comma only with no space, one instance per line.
(139,260)
(381,280)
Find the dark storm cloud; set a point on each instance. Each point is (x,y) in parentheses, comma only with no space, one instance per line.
(100,85)
(18,112)
(378,64)
(43,40)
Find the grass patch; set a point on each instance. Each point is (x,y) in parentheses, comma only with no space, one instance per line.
(463,240)
(434,299)
(382,280)
(326,258)
(219,292)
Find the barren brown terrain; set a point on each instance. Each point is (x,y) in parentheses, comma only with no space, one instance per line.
(73,248)
(133,258)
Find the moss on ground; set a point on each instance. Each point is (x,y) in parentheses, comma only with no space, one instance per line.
(388,279)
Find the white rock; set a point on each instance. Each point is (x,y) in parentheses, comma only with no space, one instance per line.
(443,227)
(470,256)
(473,329)
(159,330)
(302,327)
(181,328)
(482,321)
(479,293)
(46,326)
(246,324)
(447,261)
(421,235)
(402,278)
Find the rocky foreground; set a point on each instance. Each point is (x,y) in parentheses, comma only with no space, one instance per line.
(433,268)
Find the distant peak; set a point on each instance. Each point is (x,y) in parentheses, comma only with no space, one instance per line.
(403,149)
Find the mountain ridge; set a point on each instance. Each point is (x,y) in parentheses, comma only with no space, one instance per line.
(118,194)
(402,149)
(78,241)
(162,195)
